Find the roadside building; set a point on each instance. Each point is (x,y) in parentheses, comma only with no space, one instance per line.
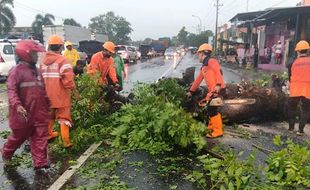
(277,25)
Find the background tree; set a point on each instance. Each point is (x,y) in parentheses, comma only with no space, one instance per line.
(147,41)
(197,40)
(117,28)
(182,36)
(7,18)
(39,21)
(72,22)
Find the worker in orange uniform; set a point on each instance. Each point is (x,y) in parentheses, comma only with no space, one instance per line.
(103,63)
(59,82)
(71,54)
(211,73)
(299,87)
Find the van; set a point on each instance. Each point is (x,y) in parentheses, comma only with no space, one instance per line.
(7,58)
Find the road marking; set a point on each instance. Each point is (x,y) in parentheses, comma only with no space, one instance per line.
(70,171)
(174,66)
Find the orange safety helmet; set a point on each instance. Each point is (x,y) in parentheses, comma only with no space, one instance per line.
(302,45)
(110,46)
(205,47)
(55,40)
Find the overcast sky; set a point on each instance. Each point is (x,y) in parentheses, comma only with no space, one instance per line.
(149,18)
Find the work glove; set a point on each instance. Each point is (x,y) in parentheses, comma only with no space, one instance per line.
(21,110)
(189,95)
(203,103)
(217,89)
(117,87)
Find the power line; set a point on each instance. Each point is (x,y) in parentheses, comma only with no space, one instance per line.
(278,3)
(21,5)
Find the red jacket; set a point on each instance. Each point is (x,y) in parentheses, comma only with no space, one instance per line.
(103,65)
(58,78)
(27,90)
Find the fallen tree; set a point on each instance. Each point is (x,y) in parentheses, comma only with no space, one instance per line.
(270,103)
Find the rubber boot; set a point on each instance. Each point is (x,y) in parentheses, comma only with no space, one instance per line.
(291,125)
(210,126)
(51,134)
(303,121)
(64,129)
(217,124)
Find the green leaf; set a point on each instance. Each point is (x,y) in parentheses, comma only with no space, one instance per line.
(239,171)
(277,140)
(231,186)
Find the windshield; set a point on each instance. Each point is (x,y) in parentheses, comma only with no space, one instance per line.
(120,48)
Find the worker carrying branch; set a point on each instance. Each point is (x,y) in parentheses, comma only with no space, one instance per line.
(212,74)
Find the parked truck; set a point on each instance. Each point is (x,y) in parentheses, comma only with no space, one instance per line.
(160,45)
(73,34)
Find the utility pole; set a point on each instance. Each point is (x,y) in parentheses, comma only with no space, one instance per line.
(217,5)
(247,5)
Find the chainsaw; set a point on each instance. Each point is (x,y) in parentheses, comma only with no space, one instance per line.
(221,102)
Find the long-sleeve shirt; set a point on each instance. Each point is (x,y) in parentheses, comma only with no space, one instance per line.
(58,78)
(120,68)
(212,75)
(26,88)
(105,66)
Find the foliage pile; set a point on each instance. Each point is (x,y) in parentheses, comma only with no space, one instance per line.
(88,114)
(288,168)
(156,123)
(229,173)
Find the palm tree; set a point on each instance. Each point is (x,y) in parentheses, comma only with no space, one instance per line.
(72,22)
(7,18)
(39,21)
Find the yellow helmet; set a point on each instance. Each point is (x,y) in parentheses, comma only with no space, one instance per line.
(205,47)
(68,43)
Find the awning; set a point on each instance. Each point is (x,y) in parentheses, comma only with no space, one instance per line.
(270,15)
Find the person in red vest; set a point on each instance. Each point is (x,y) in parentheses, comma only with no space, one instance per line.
(211,73)
(299,88)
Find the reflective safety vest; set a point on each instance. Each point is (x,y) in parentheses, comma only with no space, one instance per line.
(300,78)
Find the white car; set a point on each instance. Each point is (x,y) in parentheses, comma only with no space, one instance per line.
(7,57)
(137,52)
(128,53)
